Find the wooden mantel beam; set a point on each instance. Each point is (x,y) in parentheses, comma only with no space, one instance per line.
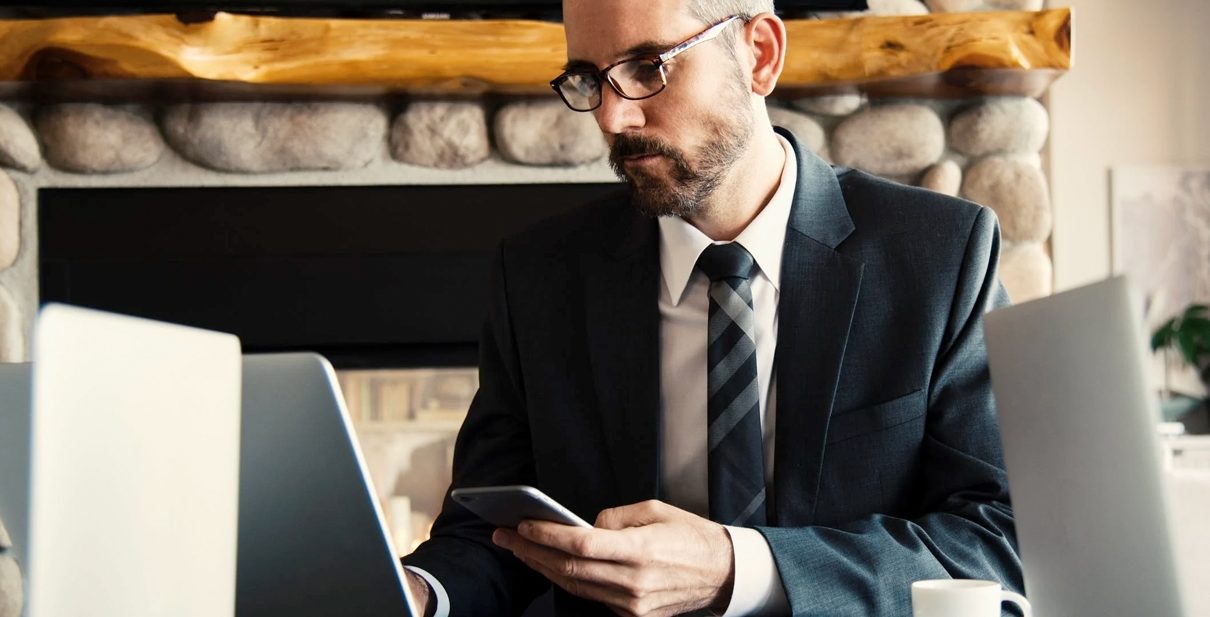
(965,52)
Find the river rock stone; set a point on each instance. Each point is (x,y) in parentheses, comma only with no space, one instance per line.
(12,343)
(90,138)
(1026,271)
(1001,125)
(18,145)
(954,6)
(12,592)
(804,127)
(1017,191)
(890,140)
(442,134)
(1015,5)
(1029,158)
(10,221)
(944,177)
(276,137)
(546,132)
(897,7)
(831,104)
(5,541)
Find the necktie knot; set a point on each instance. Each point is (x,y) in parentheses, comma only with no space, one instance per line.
(722,261)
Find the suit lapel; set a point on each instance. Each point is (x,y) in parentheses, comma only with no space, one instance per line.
(819,291)
(621,296)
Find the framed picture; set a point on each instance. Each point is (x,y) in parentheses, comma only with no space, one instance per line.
(1160,238)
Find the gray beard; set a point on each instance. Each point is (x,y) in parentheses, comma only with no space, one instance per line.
(687,188)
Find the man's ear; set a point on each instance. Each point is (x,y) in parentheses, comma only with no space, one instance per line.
(765,36)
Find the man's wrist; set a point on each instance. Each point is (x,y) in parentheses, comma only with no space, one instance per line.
(422,594)
(437,601)
(757,587)
(723,599)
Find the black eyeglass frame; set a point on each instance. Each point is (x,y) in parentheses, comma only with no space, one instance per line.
(658,61)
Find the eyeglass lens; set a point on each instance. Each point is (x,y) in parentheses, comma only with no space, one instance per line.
(633,79)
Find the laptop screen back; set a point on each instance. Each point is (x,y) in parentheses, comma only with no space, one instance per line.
(1078,420)
(312,537)
(14,455)
(135,460)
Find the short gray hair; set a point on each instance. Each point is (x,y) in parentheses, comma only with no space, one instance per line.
(711,11)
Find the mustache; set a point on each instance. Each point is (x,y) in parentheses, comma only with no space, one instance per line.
(632,145)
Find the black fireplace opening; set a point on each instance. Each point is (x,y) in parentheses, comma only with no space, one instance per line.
(368,276)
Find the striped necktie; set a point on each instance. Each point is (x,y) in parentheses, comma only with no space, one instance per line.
(735,458)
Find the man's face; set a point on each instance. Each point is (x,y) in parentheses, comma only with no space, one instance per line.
(674,148)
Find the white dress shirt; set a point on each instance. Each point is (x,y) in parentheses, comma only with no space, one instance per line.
(684,326)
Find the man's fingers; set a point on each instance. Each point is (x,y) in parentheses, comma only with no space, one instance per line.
(659,561)
(612,518)
(622,598)
(600,544)
(633,515)
(618,586)
(557,562)
(601,592)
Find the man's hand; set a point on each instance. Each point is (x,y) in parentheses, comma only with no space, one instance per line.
(643,559)
(421,593)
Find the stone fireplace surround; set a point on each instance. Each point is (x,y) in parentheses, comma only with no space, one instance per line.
(985,149)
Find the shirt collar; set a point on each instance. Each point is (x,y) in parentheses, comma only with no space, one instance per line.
(681,243)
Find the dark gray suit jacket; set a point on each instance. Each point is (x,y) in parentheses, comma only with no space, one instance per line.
(888,464)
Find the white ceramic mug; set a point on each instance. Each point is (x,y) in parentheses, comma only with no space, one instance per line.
(963,598)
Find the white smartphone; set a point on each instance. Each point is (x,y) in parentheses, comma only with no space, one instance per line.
(507,506)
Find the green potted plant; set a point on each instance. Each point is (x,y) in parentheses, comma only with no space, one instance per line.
(1189,335)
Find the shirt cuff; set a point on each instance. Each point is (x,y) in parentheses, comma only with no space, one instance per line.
(757,589)
(439,595)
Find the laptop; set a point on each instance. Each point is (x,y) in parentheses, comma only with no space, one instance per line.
(14,456)
(134,467)
(1079,423)
(313,539)
(311,535)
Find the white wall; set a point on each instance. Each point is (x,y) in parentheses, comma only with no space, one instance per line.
(1138,93)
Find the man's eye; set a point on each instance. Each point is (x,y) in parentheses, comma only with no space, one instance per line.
(647,72)
(581,81)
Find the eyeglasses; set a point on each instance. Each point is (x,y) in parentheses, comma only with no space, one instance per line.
(633,78)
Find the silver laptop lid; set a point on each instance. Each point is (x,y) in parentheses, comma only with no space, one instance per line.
(313,540)
(14,455)
(135,464)
(1078,420)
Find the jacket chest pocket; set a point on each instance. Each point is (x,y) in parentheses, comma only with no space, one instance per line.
(871,458)
(854,423)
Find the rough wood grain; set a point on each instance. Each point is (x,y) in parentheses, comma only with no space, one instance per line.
(468,57)
(876,48)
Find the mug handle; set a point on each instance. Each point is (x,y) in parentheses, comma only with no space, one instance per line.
(1019,600)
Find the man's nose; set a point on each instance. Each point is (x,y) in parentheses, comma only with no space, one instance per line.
(617,114)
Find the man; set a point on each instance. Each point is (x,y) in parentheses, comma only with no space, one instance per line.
(746,334)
